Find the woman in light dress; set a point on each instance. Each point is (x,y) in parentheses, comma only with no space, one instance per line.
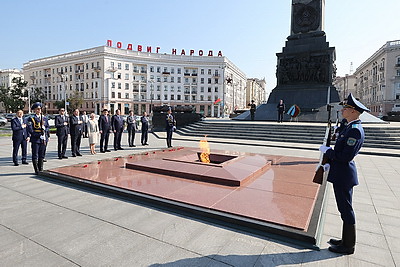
(93,131)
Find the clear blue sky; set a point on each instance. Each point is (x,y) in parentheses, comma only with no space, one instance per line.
(249,32)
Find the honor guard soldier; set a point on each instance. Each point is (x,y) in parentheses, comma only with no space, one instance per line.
(62,125)
(145,129)
(38,128)
(170,127)
(343,172)
(20,136)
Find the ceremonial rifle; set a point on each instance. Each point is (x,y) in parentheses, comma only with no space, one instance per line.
(323,159)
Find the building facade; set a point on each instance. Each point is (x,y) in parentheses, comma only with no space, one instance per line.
(6,80)
(345,85)
(255,90)
(378,80)
(123,79)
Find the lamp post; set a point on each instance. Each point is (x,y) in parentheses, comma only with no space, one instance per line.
(33,78)
(223,90)
(151,96)
(63,78)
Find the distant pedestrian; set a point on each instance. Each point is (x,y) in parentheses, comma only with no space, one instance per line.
(93,133)
(131,128)
(281,110)
(170,127)
(117,126)
(62,125)
(145,128)
(104,128)
(20,137)
(252,109)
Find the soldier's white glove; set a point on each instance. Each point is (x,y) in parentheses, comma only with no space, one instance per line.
(326,167)
(323,149)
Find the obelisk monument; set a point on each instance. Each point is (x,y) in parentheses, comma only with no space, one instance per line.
(305,67)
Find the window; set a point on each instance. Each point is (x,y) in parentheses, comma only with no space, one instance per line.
(126,66)
(112,94)
(209,80)
(179,71)
(172,79)
(172,97)
(119,95)
(127,95)
(209,71)
(126,76)
(151,68)
(119,76)
(202,89)
(172,88)
(202,80)
(119,66)
(179,80)
(202,71)
(216,80)
(158,69)
(172,70)
(178,97)
(165,97)
(209,89)
(135,69)
(216,89)
(126,86)
(112,64)
(119,86)
(165,78)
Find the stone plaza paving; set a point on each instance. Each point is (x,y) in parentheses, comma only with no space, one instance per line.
(47,223)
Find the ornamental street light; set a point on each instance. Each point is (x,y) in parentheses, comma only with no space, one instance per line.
(63,79)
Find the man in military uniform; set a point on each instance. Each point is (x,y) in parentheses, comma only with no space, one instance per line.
(343,172)
(38,128)
(20,136)
(62,125)
(170,127)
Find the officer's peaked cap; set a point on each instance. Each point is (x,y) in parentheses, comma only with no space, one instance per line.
(36,105)
(352,102)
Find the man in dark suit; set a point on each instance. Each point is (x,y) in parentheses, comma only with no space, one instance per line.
(131,128)
(253,108)
(117,125)
(75,124)
(104,128)
(170,127)
(62,125)
(145,128)
(20,136)
(343,172)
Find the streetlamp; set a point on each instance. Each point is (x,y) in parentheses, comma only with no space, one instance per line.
(33,78)
(151,96)
(63,78)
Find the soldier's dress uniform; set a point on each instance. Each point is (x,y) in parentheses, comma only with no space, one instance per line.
(38,128)
(343,175)
(170,127)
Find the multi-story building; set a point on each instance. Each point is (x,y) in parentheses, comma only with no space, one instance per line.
(378,80)
(131,80)
(6,80)
(255,90)
(345,85)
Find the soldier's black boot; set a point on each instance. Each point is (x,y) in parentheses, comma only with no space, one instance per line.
(337,242)
(348,240)
(40,165)
(35,166)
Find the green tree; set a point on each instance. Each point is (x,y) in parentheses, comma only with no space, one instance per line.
(13,97)
(37,95)
(59,104)
(75,101)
